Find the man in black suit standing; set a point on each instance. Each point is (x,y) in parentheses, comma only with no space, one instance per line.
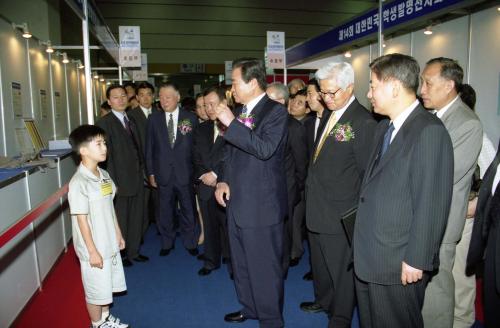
(145,96)
(125,166)
(317,106)
(296,170)
(208,151)
(484,249)
(404,201)
(169,166)
(253,187)
(335,173)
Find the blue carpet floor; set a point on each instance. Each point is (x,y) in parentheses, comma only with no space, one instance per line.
(167,292)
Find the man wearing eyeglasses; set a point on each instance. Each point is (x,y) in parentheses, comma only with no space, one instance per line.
(336,169)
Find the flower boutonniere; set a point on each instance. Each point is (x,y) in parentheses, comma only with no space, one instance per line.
(247,120)
(185,126)
(343,132)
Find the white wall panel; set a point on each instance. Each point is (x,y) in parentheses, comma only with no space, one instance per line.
(59,102)
(448,40)
(485,69)
(400,44)
(360,60)
(13,57)
(40,84)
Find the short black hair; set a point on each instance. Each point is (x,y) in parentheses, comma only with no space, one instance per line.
(144,85)
(105,105)
(169,85)
(315,83)
(252,68)
(84,134)
(398,67)
(129,84)
(450,70)
(198,95)
(219,91)
(301,92)
(112,87)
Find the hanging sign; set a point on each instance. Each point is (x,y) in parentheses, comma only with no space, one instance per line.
(275,49)
(130,46)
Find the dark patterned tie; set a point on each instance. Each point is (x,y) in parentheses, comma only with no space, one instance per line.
(127,124)
(387,139)
(244,110)
(170,128)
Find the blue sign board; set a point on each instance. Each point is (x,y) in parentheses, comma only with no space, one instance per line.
(393,13)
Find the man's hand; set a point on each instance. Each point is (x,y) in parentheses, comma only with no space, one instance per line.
(224,113)
(409,274)
(152,181)
(209,179)
(222,193)
(121,242)
(471,208)
(95,260)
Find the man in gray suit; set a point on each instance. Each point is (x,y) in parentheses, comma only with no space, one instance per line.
(441,85)
(404,199)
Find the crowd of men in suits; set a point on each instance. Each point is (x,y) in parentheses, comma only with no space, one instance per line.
(288,163)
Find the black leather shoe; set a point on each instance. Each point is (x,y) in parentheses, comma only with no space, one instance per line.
(193,251)
(231,276)
(141,258)
(235,317)
(205,271)
(127,263)
(165,251)
(294,261)
(308,276)
(201,257)
(311,307)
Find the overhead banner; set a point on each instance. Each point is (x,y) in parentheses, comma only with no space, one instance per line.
(130,46)
(142,74)
(393,13)
(275,49)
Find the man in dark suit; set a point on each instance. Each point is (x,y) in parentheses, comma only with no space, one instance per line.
(296,170)
(317,106)
(253,186)
(335,173)
(404,201)
(314,125)
(125,166)
(145,96)
(484,246)
(208,151)
(169,166)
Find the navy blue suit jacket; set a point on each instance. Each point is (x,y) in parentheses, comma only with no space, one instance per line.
(254,166)
(163,161)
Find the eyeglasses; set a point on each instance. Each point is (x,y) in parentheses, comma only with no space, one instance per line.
(329,94)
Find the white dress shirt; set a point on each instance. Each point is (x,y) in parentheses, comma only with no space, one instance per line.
(401,118)
(252,103)
(121,116)
(440,113)
(175,118)
(146,111)
(496,180)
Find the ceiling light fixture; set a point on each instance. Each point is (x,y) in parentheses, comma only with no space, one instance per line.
(428,30)
(348,54)
(48,46)
(65,59)
(24,27)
